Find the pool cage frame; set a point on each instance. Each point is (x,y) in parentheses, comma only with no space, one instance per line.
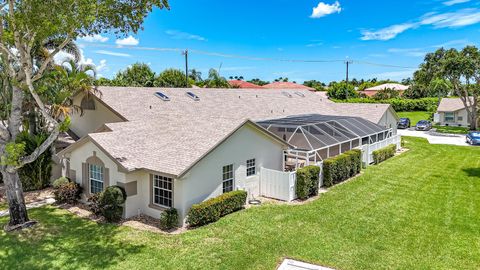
(317,137)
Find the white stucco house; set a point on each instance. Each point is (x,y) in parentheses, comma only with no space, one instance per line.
(178,147)
(452,112)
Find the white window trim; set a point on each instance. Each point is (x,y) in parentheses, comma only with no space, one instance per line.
(254,167)
(161,188)
(232,179)
(91,178)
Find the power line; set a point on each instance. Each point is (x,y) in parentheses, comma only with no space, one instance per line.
(224,55)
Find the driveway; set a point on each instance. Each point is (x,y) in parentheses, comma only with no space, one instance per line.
(435,139)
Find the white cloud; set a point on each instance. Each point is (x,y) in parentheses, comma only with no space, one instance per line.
(184,35)
(454,2)
(314,44)
(459,18)
(62,56)
(323,9)
(128,41)
(113,53)
(394,75)
(94,38)
(453,43)
(414,52)
(387,33)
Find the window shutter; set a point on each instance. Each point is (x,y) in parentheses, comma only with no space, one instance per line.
(85,184)
(106,178)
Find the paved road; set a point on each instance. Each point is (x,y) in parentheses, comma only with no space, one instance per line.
(453,140)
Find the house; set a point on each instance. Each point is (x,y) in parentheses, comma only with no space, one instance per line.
(178,147)
(244,84)
(287,85)
(393,86)
(452,112)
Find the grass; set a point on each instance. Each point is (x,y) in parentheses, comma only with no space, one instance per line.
(451,129)
(402,214)
(414,116)
(3,205)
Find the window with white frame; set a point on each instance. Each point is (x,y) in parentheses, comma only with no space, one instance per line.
(162,191)
(96,177)
(227,179)
(251,168)
(460,118)
(449,116)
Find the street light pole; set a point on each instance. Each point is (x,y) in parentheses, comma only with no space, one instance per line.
(186,67)
(346,79)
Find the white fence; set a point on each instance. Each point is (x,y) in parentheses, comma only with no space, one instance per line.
(277,185)
(367,150)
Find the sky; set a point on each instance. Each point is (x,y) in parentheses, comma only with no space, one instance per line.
(301,40)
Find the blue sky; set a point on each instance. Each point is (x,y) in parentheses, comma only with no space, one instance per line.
(387,32)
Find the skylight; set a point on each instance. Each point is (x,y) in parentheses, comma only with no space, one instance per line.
(193,96)
(287,94)
(162,96)
(300,94)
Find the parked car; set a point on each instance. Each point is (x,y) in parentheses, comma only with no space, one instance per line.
(473,137)
(423,125)
(404,123)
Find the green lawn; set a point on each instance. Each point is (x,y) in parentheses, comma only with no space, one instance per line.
(401,214)
(415,116)
(451,129)
(3,205)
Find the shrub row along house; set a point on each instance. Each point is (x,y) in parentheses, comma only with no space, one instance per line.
(177,147)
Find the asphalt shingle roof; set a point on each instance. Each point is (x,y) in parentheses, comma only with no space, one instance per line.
(451,104)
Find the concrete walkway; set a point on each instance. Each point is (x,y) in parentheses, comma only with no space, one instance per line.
(435,138)
(289,264)
(41,203)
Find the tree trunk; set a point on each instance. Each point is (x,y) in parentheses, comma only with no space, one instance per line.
(32,122)
(16,200)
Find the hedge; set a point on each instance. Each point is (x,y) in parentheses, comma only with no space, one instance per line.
(340,168)
(168,219)
(213,209)
(307,182)
(384,153)
(399,104)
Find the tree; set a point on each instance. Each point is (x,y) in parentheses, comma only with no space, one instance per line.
(319,86)
(461,72)
(258,82)
(339,90)
(215,80)
(136,75)
(171,78)
(386,93)
(26,25)
(195,75)
(281,79)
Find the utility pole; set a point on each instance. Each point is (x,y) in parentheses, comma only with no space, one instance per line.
(347,63)
(186,66)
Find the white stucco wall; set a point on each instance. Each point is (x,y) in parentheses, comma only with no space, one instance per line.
(204,180)
(389,120)
(461,118)
(91,120)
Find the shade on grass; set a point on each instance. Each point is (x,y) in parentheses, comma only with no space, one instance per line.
(418,210)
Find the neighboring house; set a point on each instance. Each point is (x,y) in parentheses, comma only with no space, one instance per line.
(287,85)
(452,112)
(178,147)
(244,84)
(393,86)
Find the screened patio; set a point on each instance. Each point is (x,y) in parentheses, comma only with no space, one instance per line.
(317,137)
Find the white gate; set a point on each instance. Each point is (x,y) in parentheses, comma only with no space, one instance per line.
(277,185)
(367,149)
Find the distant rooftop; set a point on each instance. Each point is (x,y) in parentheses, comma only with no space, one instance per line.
(287,85)
(393,86)
(244,84)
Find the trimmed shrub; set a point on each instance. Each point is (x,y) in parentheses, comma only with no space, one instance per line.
(307,182)
(60,181)
(93,204)
(169,219)
(68,193)
(213,209)
(111,203)
(340,168)
(383,154)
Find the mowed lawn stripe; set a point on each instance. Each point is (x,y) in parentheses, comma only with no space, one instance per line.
(418,210)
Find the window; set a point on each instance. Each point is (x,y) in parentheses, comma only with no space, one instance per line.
(162,96)
(460,118)
(251,169)
(193,96)
(227,180)
(162,190)
(300,94)
(95,176)
(449,116)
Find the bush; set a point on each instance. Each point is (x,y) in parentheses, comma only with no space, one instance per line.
(307,182)
(400,104)
(68,193)
(383,154)
(60,181)
(340,168)
(93,204)
(339,90)
(169,219)
(110,203)
(35,175)
(213,209)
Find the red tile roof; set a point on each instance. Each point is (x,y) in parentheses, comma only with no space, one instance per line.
(287,85)
(243,84)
